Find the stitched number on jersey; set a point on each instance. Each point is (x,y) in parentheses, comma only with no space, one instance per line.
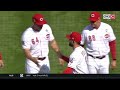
(37,40)
(92,38)
(33,41)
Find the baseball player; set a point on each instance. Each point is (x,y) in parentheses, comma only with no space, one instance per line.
(35,41)
(77,60)
(100,40)
(1,61)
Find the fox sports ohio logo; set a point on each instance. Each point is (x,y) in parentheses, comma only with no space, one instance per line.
(109,16)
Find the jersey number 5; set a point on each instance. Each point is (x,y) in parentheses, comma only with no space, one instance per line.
(33,41)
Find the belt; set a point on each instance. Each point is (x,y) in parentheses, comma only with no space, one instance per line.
(99,57)
(41,58)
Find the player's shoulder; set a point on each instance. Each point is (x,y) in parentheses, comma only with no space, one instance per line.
(46,26)
(27,31)
(78,50)
(87,28)
(105,24)
(81,49)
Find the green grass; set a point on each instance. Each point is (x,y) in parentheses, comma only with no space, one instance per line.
(13,23)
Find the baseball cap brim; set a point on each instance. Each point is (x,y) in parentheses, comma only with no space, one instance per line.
(68,36)
(41,22)
(93,19)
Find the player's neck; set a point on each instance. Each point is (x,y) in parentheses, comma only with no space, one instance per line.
(98,25)
(36,29)
(75,46)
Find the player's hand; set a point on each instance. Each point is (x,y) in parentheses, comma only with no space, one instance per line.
(38,64)
(113,64)
(61,61)
(1,63)
(36,61)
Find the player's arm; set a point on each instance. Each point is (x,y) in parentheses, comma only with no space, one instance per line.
(26,48)
(56,48)
(65,58)
(1,61)
(53,42)
(83,38)
(112,45)
(29,56)
(54,45)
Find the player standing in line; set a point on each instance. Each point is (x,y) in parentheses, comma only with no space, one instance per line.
(100,40)
(1,61)
(77,60)
(35,41)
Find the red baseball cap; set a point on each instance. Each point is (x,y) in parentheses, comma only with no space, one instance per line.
(75,36)
(38,19)
(94,16)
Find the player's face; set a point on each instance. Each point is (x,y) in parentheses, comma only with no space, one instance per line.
(95,24)
(38,27)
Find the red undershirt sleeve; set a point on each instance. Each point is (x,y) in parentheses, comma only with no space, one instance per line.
(65,58)
(112,45)
(0,56)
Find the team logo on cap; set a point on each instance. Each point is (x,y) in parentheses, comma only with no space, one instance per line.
(92,15)
(41,19)
(72,38)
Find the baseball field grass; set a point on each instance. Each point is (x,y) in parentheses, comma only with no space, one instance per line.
(13,23)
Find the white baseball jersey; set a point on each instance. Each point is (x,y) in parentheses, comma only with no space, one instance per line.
(37,42)
(97,41)
(77,61)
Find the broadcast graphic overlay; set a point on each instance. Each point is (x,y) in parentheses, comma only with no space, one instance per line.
(13,23)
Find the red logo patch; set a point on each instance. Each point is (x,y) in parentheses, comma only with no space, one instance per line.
(106,35)
(47,36)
